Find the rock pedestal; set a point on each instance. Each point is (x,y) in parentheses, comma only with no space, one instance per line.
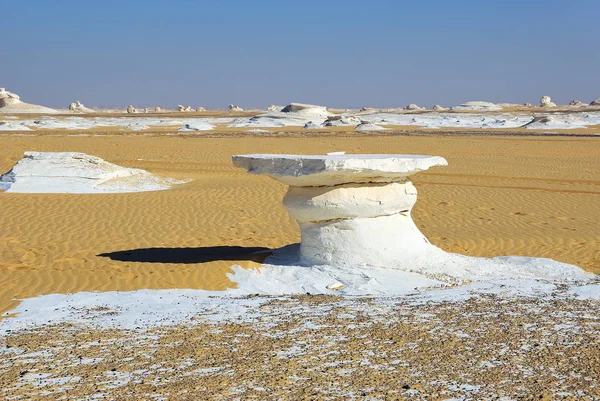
(351,209)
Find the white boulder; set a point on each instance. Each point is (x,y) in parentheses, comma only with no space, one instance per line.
(131,109)
(235,107)
(546,101)
(200,109)
(78,107)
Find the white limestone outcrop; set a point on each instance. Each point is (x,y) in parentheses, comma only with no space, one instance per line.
(595,102)
(413,107)
(546,101)
(131,109)
(294,114)
(354,213)
(364,126)
(235,107)
(11,103)
(437,107)
(78,107)
(76,173)
(477,106)
(200,109)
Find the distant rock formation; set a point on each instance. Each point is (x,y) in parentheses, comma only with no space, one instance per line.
(146,110)
(180,107)
(199,109)
(77,107)
(157,109)
(11,103)
(274,108)
(576,103)
(527,105)
(437,107)
(311,125)
(546,101)
(364,126)
(413,106)
(367,109)
(337,121)
(131,109)
(188,108)
(595,102)
(477,106)
(69,172)
(235,107)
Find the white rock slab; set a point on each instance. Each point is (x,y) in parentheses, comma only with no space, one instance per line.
(328,170)
(76,173)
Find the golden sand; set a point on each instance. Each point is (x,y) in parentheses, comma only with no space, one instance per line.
(536,196)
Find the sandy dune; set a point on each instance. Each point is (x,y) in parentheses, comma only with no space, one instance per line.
(499,196)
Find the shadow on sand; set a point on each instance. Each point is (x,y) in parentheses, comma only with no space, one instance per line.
(190,255)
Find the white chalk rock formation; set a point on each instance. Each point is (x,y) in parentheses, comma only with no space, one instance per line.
(78,107)
(437,107)
(11,103)
(157,109)
(273,107)
(576,103)
(131,109)
(354,213)
(294,114)
(352,209)
(365,126)
(546,101)
(180,107)
(367,109)
(477,106)
(312,125)
(199,109)
(76,173)
(235,107)
(527,105)
(595,102)
(188,108)
(342,121)
(413,106)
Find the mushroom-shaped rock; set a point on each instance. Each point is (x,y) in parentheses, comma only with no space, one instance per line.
(546,101)
(352,209)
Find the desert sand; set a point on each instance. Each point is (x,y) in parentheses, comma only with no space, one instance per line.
(534,196)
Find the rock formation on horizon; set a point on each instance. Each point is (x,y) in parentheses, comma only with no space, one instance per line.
(11,103)
(131,109)
(546,101)
(576,103)
(78,107)
(235,107)
(413,106)
(199,109)
(437,107)
(595,102)
(157,109)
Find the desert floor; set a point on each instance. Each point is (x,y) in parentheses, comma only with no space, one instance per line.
(499,195)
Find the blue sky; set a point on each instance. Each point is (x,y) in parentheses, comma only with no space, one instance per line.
(336,53)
